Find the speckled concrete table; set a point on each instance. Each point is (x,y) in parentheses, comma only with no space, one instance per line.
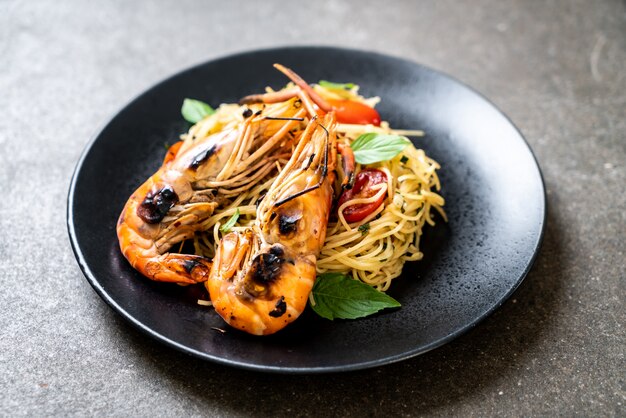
(557,68)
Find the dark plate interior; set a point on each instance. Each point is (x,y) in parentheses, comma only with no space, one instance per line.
(491,182)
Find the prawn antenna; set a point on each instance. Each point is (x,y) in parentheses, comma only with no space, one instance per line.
(298,194)
(282,118)
(325,166)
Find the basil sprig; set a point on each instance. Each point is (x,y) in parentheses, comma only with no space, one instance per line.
(338,296)
(375,147)
(194,110)
(230,222)
(336,86)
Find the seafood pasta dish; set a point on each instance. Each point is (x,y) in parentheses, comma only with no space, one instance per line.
(291,197)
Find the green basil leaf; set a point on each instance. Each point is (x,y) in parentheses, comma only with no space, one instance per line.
(230,222)
(336,86)
(374,147)
(364,229)
(194,110)
(339,296)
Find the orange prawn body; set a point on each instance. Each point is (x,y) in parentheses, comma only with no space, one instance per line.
(261,278)
(146,232)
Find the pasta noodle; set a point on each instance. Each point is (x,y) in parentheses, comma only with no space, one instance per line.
(375,255)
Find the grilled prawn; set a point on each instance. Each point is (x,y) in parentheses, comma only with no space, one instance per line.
(181,196)
(261,278)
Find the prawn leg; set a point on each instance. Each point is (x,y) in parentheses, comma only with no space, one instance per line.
(178,268)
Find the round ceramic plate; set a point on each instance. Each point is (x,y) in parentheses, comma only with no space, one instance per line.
(492,185)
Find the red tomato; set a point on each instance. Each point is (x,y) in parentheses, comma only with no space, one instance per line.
(349,111)
(363,189)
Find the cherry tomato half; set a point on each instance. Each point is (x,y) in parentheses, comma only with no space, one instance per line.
(349,111)
(363,189)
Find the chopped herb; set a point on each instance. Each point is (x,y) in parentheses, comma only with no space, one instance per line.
(364,229)
(404,159)
(194,110)
(230,222)
(336,86)
(374,147)
(166,145)
(339,296)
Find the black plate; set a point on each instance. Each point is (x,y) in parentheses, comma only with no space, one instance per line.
(491,182)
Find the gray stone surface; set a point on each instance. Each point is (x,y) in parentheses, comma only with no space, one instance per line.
(557,68)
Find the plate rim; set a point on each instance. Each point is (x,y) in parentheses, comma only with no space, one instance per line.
(92,280)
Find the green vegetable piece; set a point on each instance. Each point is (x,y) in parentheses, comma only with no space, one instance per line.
(338,296)
(230,222)
(336,86)
(374,147)
(364,229)
(194,110)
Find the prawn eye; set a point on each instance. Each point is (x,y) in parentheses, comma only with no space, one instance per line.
(266,267)
(156,205)
(286,218)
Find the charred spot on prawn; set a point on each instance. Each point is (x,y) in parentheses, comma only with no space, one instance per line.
(348,183)
(277,251)
(202,157)
(288,223)
(280,308)
(266,268)
(156,205)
